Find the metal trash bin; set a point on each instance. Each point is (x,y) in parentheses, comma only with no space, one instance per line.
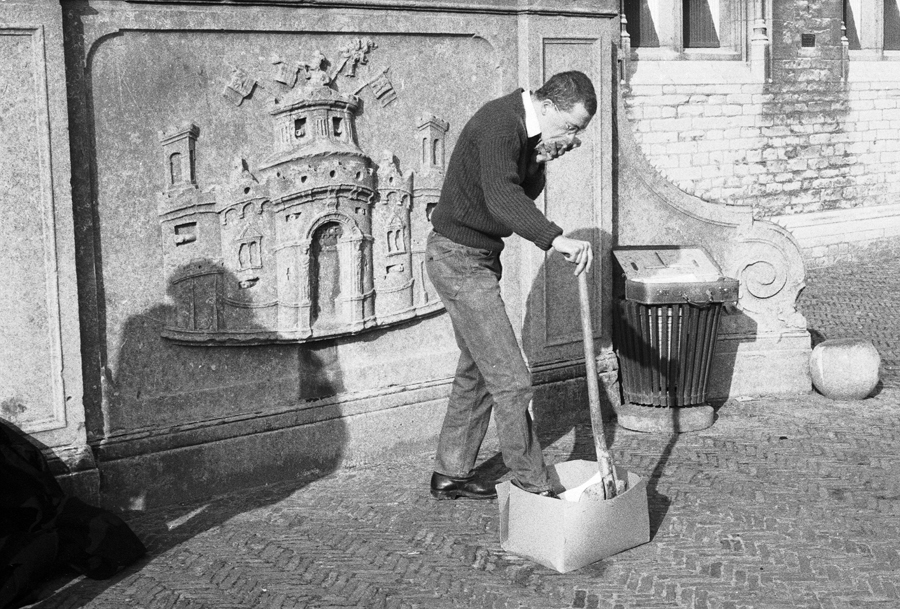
(668,301)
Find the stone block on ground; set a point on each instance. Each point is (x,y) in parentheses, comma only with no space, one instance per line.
(845,368)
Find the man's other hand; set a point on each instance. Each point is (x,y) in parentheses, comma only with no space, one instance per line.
(575,251)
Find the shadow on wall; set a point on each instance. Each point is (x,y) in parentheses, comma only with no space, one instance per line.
(247,388)
(737,328)
(227,477)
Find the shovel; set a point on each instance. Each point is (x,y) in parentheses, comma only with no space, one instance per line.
(609,485)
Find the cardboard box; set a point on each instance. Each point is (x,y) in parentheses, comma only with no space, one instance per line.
(567,535)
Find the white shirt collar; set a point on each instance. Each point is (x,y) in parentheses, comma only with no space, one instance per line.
(532,126)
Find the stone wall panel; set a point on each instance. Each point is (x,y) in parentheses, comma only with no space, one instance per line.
(40,378)
(207,95)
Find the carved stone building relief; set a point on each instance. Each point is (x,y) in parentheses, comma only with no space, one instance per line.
(315,240)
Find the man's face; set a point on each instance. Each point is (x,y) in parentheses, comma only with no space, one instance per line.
(559,129)
(562,124)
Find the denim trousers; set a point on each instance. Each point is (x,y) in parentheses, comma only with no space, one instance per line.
(491,374)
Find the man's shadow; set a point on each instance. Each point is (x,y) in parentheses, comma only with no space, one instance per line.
(146,362)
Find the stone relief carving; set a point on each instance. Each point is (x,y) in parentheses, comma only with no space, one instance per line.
(355,53)
(382,88)
(313,241)
(240,85)
(284,72)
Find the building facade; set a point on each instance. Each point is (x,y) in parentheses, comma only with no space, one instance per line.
(790,108)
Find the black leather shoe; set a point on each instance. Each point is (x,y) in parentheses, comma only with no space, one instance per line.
(445,487)
(549,493)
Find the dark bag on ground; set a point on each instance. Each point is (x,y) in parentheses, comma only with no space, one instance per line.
(44,531)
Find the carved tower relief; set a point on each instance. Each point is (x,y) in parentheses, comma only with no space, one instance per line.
(315,240)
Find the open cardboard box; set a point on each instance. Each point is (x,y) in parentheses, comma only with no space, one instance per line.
(567,535)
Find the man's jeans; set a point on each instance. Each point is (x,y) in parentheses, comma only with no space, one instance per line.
(491,373)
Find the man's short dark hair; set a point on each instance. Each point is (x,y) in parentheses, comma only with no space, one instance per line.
(567,89)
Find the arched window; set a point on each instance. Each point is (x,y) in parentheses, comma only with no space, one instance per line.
(250,254)
(174,168)
(396,237)
(325,273)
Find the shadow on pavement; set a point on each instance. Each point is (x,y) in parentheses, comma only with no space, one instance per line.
(262,470)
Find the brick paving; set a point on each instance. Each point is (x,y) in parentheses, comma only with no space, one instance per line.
(781,503)
(855,301)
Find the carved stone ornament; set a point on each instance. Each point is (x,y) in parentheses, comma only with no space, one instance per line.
(284,73)
(313,241)
(239,86)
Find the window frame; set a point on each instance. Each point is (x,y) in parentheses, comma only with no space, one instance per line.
(733,30)
(869,31)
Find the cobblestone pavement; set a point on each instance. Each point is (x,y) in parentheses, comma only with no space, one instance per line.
(852,301)
(781,503)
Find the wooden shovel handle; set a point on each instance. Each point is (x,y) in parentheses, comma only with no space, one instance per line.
(604,458)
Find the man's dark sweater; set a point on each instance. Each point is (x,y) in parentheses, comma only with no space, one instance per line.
(492,181)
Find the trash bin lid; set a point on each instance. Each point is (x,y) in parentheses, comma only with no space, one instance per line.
(672,274)
(667,264)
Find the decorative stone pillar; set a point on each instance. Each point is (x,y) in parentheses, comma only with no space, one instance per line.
(367,281)
(286,259)
(304,284)
(845,52)
(759,45)
(624,44)
(351,254)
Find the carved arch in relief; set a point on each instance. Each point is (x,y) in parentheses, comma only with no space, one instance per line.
(342,269)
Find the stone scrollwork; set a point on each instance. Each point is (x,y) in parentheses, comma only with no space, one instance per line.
(768,265)
(762,279)
(313,241)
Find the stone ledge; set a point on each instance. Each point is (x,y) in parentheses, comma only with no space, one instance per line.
(554,7)
(143,477)
(150,440)
(840,235)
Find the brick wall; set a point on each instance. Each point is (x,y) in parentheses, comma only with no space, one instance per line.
(783,148)
(807,141)
(822,59)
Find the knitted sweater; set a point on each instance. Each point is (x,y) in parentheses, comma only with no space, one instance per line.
(491,181)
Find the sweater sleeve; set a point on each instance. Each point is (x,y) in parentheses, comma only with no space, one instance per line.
(507,199)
